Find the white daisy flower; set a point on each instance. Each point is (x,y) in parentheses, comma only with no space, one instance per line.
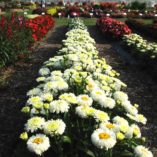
(36,102)
(110,126)
(107,102)
(35,123)
(56,73)
(101,116)
(47,97)
(84,111)
(98,95)
(38,144)
(59,106)
(34,92)
(69,97)
(50,86)
(141,151)
(54,127)
(44,71)
(120,96)
(62,85)
(103,139)
(136,130)
(84,100)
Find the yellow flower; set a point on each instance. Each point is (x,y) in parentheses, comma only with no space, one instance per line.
(120,136)
(136,105)
(24,136)
(46,106)
(25,109)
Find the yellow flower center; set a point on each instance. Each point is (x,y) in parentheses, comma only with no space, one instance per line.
(84,98)
(144,150)
(104,136)
(98,93)
(90,86)
(38,140)
(110,126)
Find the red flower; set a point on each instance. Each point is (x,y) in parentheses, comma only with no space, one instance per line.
(113,27)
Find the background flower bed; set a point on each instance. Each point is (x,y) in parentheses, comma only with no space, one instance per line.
(112,28)
(144,51)
(143,27)
(18,34)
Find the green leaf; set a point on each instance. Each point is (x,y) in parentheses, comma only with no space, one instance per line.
(66,139)
(90,153)
(126,154)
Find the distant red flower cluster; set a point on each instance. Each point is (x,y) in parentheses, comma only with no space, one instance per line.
(109,5)
(113,27)
(40,26)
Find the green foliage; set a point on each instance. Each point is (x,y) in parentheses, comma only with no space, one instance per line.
(138,5)
(18,43)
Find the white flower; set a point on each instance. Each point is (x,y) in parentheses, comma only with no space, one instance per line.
(129,108)
(101,116)
(110,126)
(141,119)
(34,92)
(36,102)
(59,106)
(50,86)
(122,124)
(98,95)
(34,124)
(141,151)
(47,97)
(38,144)
(138,118)
(69,97)
(44,71)
(120,120)
(91,85)
(120,96)
(56,73)
(107,102)
(103,139)
(40,79)
(54,127)
(136,130)
(62,85)
(84,111)
(84,100)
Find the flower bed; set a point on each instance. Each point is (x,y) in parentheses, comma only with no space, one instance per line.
(18,35)
(141,47)
(112,28)
(40,26)
(78,108)
(145,29)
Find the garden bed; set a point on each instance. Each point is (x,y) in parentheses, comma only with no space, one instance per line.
(144,27)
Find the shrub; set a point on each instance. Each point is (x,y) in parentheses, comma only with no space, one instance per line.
(112,27)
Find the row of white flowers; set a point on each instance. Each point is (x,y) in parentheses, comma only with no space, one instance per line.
(79,100)
(140,46)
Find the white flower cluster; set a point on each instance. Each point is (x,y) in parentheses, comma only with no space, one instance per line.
(143,47)
(78,82)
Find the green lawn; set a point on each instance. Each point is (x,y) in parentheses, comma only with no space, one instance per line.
(64,21)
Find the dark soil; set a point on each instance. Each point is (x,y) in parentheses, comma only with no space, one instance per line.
(141,89)
(13,93)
